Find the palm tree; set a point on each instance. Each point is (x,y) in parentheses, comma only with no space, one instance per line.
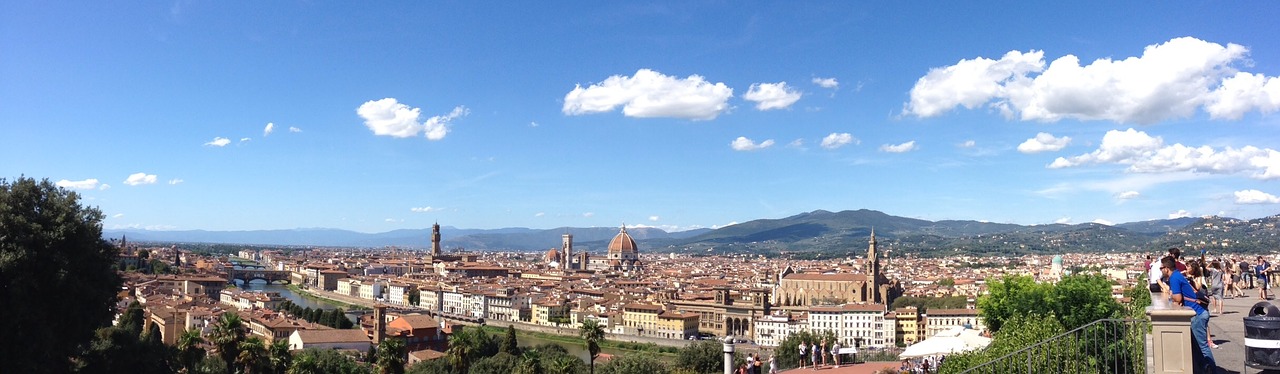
(530,362)
(280,357)
(253,356)
(391,356)
(562,364)
(189,350)
(228,333)
(593,333)
(461,348)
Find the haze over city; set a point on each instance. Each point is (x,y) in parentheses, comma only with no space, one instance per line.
(244,116)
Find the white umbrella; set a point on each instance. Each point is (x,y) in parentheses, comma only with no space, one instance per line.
(947,342)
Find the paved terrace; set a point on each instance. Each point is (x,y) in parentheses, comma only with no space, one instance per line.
(1227,331)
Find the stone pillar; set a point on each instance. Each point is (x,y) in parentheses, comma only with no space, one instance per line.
(728,354)
(1170,349)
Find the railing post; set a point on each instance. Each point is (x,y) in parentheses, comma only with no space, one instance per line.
(1171,340)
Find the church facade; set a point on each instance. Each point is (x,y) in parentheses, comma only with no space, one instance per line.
(800,291)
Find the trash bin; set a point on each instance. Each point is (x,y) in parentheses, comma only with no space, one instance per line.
(1262,337)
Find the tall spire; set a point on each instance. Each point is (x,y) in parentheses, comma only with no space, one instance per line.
(435,239)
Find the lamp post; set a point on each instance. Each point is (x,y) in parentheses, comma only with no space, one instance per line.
(728,354)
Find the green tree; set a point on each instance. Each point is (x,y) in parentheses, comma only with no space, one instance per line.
(326,361)
(593,334)
(1021,331)
(788,351)
(227,335)
(530,362)
(189,351)
(463,346)
(509,342)
(279,356)
(153,335)
(58,278)
(133,318)
(561,364)
(635,364)
(1013,296)
(253,357)
(442,367)
(1079,299)
(415,297)
(115,350)
(501,363)
(704,356)
(392,355)
(947,282)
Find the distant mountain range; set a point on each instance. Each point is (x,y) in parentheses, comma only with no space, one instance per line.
(844,233)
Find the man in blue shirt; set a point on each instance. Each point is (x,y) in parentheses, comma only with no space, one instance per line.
(1184,295)
(1262,268)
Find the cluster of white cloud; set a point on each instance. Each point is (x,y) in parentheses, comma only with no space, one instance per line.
(1044,142)
(294,129)
(391,118)
(425,209)
(1128,195)
(968,144)
(87,184)
(769,96)
(140,179)
(1179,214)
(651,94)
(219,141)
(1147,154)
(837,140)
(826,82)
(1169,80)
(1255,197)
(175,181)
(267,131)
(899,148)
(744,144)
(653,218)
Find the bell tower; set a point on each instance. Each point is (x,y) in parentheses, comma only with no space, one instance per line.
(567,250)
(873,269)
(435,240)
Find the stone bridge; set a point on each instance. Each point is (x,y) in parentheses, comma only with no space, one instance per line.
(247,275)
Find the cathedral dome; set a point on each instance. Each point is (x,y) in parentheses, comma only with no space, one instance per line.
(552,255)
(622,243)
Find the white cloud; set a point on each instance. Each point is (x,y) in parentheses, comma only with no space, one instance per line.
(1169,80)
(589,214)
(713,227)
(87,184)
(1147,154)
(425,209)
(140,178)
(1179,214)
(653,218)
(744,144)
(1256,197)
(769,96)
(1128,195)
(1044,142)
(1101,221)
(899,148)
(118,215)
(267,130)
(242,140)
(533,124)
(219,142)
(1063,220)
(798,143)
(175,181)
(295,129)
(1243,93)
(539,214)
(837,140)
(649,94)
(968,144)
(393,220)
(391,118)
(104,187)
(826,82)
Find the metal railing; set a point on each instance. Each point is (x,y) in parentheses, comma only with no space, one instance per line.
(1102,346)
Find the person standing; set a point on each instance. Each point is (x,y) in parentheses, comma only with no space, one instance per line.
(1264,282)
(803,347)
(835,353)
(1185,295)
(814,352)
(1246,271)
(773,364)
(1216,285)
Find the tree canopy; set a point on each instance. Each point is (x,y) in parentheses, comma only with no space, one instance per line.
(57,275)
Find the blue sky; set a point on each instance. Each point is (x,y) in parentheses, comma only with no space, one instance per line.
(680,115)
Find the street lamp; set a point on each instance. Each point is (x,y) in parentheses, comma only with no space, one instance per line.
(728,354)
